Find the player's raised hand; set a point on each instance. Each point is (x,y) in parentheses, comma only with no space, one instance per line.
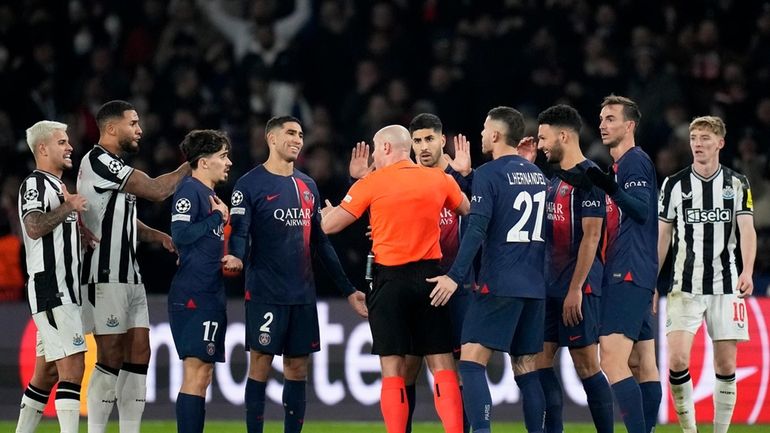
(571,309)
(77,201)
(745,285)
(462,160)
(219,205)
(444,289)
(357,301)
(232,263)
(359,161)
(527,148)
(326,209)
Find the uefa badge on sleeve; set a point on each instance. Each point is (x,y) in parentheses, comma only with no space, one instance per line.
(236,198)
(183,205)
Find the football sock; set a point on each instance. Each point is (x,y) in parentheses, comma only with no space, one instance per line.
(448,401)
(411,390)
(466,423)
(393,404)
(651,395)
(629,400)
(101,397)
(131,390)
(255,405)
(533,401)
(68,406)
(681,392)
(32,406)
(599,396)
(725,393)
(190,413)
(476,396)
(554,400)
(294,404)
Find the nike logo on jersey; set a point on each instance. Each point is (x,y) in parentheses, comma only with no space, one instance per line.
(574,337)
(272,197)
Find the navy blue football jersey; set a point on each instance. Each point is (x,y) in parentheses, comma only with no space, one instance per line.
(632,248)
(511,192)
(277,218)
(198,234)
(567,206)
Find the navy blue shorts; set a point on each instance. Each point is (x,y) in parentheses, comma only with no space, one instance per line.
(199,333)
(458,306)
(625,307)
(585,333)
(290,330)
(648,331)
(513,325)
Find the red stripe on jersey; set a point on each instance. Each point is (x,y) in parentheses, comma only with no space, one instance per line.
(563,224)
(248,295)
(307,204)
(611,228)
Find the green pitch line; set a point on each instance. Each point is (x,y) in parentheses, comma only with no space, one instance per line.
(362,427)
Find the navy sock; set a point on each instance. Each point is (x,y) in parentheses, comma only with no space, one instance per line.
(533,401)
(629,400)
(466,423)
(293,405)
(190,413)
(476,397)
(255,406)
(651,395)
(410,398)
(599,397)
(554,400)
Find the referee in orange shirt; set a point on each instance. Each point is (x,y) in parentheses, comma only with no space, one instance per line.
(405,201)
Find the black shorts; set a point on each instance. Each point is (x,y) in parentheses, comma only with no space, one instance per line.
(402,320)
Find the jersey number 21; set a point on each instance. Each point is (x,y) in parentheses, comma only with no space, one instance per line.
(524,202)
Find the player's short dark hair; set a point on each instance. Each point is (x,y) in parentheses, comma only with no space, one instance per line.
(426,121)
(111,110)
(277,122)
(561,115)
(513,120)
(200,143)
(630,109)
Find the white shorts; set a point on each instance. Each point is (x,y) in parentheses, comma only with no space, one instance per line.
(60,332)
(116,308)
(726,315)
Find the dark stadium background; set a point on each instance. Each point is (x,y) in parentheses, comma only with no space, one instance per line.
(354,66)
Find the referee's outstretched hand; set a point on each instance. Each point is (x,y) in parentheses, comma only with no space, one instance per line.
(444,289)
(359,161)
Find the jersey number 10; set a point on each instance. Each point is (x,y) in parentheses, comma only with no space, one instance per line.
(527,201)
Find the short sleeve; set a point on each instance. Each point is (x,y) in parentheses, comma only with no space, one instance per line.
(112,171)
(359,197)
(32,196)
(746,203)
(482,200)
(593,203)
(666,204)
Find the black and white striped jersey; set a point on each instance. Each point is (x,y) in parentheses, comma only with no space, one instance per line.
(53,260)
(703,212)
(111,217)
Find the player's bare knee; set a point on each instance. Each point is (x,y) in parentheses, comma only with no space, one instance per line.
(413,367)
(586,361)
(523,364)
(295,368)
(442,361)
(678,361)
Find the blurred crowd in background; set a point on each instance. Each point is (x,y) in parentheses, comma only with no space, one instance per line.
(348,67)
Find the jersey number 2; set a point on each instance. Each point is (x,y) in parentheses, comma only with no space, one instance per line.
(268,320)
(210,330)
(527,201)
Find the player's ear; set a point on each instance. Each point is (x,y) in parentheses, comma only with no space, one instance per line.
(443,141)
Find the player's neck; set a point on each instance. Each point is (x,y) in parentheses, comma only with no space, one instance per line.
(111,147)
(279,166)
(624,146)
(198,174)
(500,150)
(706,170)
(572,157)
(49,168)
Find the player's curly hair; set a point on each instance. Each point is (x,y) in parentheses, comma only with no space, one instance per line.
(561,115)
(200,143)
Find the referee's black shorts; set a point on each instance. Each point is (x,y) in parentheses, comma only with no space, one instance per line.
(402,320)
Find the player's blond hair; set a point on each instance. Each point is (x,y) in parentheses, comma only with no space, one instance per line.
(710,123)
(41,131)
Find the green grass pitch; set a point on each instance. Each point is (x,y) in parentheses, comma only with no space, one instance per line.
(361,427)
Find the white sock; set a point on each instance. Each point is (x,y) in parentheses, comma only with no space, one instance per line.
(725,393)
(681,391)
(32,406)
(68,406)
(131,391)
(101,398)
